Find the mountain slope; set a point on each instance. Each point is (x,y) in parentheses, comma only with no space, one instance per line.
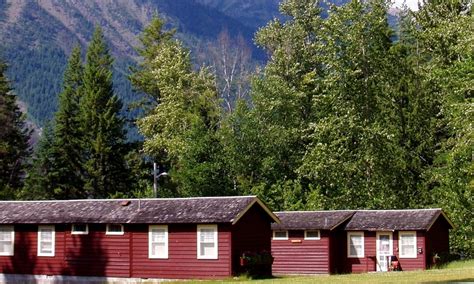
(37,37)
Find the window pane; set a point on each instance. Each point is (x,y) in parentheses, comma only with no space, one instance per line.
(158,235)
(280,234)
(312,234)
(408,240)
(5,236)
(5,247)
(46,247)
(46,236)
(207,249)
(353,251)
(356,245)
(407,250)
(158,249)
(79,228)
(356,240)
(207,235)
(115,228)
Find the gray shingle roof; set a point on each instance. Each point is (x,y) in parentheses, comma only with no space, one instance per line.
(378,220)
(145,211)
(306,220)
(364,220)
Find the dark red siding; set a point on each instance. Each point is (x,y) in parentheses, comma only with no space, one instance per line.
(252,233)
(368,262)
(25,259)
(412,263)
(365,264)
(299,256)
(182,259)
(98,254)
(437,240)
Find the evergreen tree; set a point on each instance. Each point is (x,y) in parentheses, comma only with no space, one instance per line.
(67,133)
(14,148)
(152,39)
(56,171)
(102,128)
(41,181)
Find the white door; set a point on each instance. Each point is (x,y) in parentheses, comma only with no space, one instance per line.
(384,250)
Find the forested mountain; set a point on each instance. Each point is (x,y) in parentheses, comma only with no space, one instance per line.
(36,37)
(348,111)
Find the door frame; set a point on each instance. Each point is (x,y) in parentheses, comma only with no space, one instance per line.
(377,246)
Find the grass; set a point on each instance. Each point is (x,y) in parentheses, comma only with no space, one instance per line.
(459,271)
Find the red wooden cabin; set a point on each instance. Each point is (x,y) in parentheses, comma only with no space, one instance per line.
(358,241)
(411,238)
(303,242)
(142,238)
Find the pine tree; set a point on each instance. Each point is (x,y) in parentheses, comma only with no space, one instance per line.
(14,148)
(56,170)
(100,123)
(67,134)
(41,181)
(152,39)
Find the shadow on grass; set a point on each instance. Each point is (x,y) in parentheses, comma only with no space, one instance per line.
(463,280)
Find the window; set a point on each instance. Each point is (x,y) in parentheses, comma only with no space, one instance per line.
(7,240)
(46,240)
(207,241)
(355,244)
(114,229)
(407,244)
(80,229)
(157,241)
(311,235)
(280,235)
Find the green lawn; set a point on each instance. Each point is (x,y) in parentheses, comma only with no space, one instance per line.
(460,271)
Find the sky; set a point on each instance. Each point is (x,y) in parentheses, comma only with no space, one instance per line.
(412,4)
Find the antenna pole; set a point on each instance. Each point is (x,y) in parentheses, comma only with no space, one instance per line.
(155,184)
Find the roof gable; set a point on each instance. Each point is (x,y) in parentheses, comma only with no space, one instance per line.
(146,211)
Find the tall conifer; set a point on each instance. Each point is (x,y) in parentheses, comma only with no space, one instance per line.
(100,123)
(14,135)
(56,170)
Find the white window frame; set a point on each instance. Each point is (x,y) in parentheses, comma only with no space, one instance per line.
(359,234)
(12,240)
(164,255)
(275,237)
(215,241)
(53,240)
(108,232)
(312,238)
(76,232)
(400,249)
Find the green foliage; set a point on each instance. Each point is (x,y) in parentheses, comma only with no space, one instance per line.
(57,169)
(102,128)
(42,179)
(446,39)
(180,126)
(14,135)
(345,117)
